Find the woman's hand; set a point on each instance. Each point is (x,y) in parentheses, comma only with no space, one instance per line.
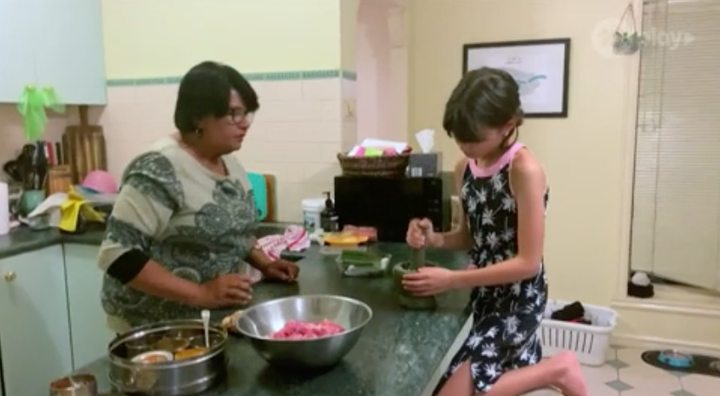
(226,291)
(428,281)
(420,234)
(282,270)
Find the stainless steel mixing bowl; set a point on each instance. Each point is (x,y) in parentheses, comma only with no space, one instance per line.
(260,321)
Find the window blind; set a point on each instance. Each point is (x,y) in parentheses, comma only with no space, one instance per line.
(676,201)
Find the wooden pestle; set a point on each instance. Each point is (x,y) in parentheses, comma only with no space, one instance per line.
(417,260)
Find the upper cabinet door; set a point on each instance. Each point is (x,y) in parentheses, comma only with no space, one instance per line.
(69,54)
(17,46)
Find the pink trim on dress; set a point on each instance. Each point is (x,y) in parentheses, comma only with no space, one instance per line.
(498,165)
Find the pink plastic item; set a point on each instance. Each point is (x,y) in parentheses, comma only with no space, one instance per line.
(101,182)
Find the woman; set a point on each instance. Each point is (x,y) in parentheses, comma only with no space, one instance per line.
(183,226)
(504,195)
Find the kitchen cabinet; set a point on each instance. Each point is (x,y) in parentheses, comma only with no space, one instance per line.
(57,43)
(89,333)
(34,330)
(17,67)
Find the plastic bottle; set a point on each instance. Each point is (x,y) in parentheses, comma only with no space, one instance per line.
(4,208)
(328,217)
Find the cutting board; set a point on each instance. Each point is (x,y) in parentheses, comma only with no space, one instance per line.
(271,208)
(83,147)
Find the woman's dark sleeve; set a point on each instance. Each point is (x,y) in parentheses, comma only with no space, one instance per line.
(149,196)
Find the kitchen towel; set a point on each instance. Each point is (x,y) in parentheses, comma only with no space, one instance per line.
(294,239)
(4,209)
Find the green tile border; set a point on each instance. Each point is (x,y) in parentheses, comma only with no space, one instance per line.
(270,76)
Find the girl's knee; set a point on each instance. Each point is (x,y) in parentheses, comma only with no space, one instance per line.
(566,358)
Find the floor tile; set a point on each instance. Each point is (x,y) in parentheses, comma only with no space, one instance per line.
(701,385)
(682,392)
(617,364)
(611,354)
(644,392)
(601,390)
(650,379)
(619,385)
(679,374)
(544,392)
(626,374)
(599,375)
(641,375)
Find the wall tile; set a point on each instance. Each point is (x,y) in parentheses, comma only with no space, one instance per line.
(296,136)
(348,89)
(122,95)
(285,172)
(321,89)
(292,111)
(12,134)
(291,90)
(349,135)
(289,197)
(305,131)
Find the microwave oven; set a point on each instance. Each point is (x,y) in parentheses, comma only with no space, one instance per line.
(389,203)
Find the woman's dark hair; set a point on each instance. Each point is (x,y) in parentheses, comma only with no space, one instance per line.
(484,98)
(205,90)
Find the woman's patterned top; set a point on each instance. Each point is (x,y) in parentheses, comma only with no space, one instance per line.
(194,222)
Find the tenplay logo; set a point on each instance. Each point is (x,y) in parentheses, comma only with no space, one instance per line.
(603,36)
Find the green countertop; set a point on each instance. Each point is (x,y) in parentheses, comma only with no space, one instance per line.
(23,240)
(396,356)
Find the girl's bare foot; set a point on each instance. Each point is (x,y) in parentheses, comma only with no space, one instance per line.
(571,380)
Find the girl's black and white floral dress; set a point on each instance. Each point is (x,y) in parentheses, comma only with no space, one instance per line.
(505,318)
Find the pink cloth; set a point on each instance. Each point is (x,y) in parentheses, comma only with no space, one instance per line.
(294,239)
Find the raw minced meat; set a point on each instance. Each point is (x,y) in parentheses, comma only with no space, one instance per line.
(297,330)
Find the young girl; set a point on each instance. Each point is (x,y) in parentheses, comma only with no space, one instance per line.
(504,195)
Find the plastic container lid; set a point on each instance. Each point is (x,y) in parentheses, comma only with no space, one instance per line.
(313,204)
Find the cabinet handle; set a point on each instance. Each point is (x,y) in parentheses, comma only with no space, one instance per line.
(10,276)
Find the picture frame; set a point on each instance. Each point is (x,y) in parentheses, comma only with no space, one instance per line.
(541,68)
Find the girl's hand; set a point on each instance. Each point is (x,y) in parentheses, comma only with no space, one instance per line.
(420,234)
(428,281)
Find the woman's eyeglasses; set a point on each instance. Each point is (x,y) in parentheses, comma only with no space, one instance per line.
(239,116)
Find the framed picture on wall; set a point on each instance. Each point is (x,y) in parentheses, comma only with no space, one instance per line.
(540,67)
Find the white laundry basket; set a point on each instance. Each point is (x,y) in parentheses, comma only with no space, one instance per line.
(589,342)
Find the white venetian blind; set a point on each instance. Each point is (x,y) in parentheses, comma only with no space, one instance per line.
(676,208)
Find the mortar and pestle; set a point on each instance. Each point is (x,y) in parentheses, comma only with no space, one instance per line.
(406,299)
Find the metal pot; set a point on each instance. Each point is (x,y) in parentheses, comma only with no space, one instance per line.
(74,385)
(172,378)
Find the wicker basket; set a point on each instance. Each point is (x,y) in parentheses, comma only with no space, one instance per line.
(382,166)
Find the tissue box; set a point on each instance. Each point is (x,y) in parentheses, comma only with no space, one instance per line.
(424,165)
